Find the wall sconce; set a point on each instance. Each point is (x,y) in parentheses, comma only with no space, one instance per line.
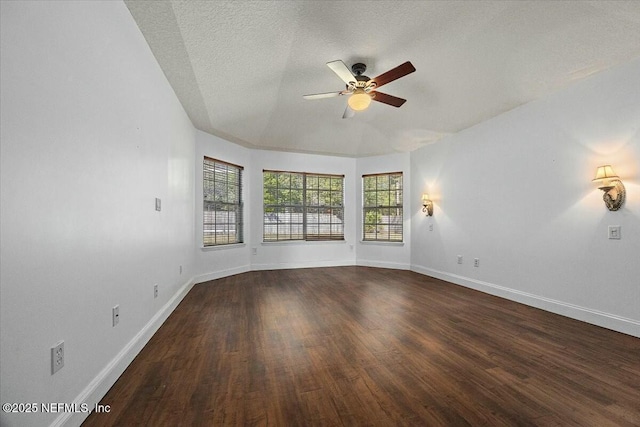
(610,181)
(427,205)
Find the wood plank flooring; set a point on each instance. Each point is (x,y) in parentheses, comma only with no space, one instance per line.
(359,346)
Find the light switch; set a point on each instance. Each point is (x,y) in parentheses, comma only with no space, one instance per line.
(614,232)
(158,204)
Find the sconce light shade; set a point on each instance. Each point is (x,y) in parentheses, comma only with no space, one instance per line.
(610,182)
(605,173)
(427,205)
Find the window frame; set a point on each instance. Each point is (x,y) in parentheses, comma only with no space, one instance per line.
(212,228)
(304,200)
(373,213)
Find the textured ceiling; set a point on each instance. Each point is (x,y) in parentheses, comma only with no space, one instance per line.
(240,68)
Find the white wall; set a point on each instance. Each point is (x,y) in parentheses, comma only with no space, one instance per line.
(91,134)
(385,254)
(516,192)
(221,261)
(301,254)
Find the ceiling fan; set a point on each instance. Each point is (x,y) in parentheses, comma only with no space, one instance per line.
(361,89)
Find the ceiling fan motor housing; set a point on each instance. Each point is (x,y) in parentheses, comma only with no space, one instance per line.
(361,80)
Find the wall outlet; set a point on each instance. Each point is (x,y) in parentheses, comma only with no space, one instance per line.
(459,259)
(476,262)
(115,315)
(57,357)
(430,227)
(155,290)
(254,251)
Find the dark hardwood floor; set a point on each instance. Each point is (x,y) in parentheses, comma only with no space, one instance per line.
(358,346)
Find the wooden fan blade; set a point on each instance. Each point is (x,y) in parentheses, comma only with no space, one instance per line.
(325,95)
(389,99)
(348,113)
(342,71)
(393,74)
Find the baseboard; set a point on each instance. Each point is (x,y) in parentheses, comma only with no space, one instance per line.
(222,273)
(594,317)
(383,264)
(95,391)
(308,264)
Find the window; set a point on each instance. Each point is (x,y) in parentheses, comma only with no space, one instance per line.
(303,206)
(222,203)
(382,207)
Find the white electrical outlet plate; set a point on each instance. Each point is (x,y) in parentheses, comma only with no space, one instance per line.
(430,227)
(115,314)
(155,290)
(57,357)
(614,232)
(459,259)
(476,262)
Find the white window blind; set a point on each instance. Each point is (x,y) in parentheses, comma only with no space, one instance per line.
(382,207)
(302,206)
(222,203)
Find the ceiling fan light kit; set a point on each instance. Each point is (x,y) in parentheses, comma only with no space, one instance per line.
(361,89)
(359,100)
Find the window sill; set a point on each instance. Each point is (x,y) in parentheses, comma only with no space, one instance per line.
(303,242)
(380,242)
(222,247)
